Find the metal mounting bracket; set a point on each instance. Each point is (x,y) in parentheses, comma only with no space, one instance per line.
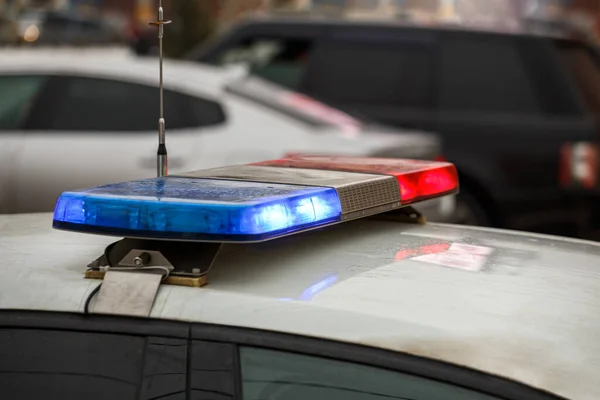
(127,293)
(183,263)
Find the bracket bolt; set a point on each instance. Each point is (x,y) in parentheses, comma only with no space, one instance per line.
(142,260)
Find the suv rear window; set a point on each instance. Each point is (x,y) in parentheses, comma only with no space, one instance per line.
(370,72)
(485,76)
(583,64)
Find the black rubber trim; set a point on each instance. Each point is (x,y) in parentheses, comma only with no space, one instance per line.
(401,362)
(93,323)
(237,373)
(188,369)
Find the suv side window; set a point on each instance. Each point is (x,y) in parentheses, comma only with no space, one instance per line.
(282,61)
(276,375)
(583,65)
(95,104)
(366,70)
(485,74)
(18,95)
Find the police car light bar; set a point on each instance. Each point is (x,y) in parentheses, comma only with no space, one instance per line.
(196,209)
(250,203)
(417,179)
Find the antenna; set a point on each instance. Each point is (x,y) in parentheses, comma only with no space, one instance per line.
(161,154)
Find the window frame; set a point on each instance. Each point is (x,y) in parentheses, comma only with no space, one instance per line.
(77,322)
(234,337)
(57,85)
(369,356)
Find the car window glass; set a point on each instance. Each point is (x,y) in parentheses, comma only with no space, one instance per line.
(480,74)
(47,364)
(275,375)
(18,95)
(282,61)
(107,105)
(584,68)
(372,72)
(57,20)
(205,112)
(91,26)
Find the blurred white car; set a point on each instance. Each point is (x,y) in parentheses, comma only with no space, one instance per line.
(72,120)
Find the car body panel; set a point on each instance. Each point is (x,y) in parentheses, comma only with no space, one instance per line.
(251,132)
(516,305)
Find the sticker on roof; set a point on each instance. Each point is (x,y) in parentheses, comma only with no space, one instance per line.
(459,256)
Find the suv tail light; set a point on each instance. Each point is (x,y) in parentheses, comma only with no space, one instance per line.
(579,165)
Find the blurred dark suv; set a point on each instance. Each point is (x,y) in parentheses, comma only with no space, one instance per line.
(517,110)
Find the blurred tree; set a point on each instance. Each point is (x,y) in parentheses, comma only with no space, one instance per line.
(282,3)
(233,10)
(192,24)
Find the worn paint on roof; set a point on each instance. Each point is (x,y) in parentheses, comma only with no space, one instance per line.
(517,305)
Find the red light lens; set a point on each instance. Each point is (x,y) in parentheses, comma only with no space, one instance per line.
(579,165)
(418,179)
(421,185)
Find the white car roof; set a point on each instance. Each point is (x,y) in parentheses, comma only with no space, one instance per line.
(112,63)
(521,306)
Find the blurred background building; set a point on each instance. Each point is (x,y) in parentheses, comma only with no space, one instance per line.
(198,20)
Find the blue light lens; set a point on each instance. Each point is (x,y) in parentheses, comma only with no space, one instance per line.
(196,209)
